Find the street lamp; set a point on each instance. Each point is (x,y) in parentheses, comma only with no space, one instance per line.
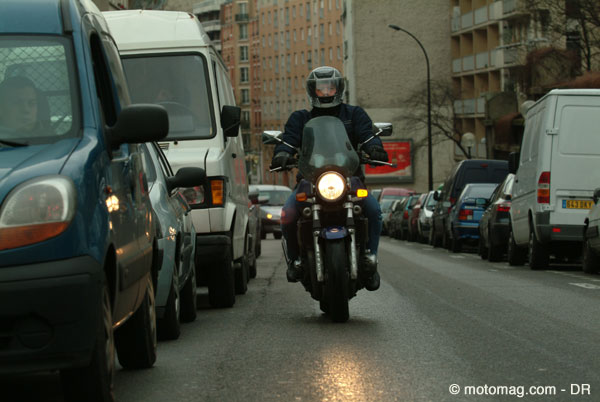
(468,141)
(429,146)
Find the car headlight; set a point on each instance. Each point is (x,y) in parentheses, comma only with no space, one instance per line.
(331,186)
(37,210)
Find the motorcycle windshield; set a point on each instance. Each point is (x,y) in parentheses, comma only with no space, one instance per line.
(326,146)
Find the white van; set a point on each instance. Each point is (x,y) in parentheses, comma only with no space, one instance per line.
(556,174)
(169,60)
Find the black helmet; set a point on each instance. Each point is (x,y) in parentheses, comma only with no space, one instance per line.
(325,87)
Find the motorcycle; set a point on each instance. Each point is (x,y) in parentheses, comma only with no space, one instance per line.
(332,230)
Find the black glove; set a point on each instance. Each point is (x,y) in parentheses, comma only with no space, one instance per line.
(377,153)
(280,160)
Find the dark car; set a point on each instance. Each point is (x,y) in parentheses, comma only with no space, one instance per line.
(465,172)
(495,222)
(400,217)
(386,212)
(78,237)
(271,199)
(463,220)
(254,227)
(394,211)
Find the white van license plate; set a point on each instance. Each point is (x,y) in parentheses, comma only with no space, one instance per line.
(578,204)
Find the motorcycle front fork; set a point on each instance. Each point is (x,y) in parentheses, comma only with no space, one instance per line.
(316,208)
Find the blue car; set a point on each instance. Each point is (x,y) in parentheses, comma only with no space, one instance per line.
(78,238)
(466,213)
(176,286)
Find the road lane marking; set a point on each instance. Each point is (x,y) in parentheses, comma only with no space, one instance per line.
(457,256)
(586,285)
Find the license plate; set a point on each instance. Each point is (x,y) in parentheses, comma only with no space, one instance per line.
(578,204)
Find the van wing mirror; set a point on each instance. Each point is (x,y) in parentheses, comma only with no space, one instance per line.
(230,120)
(436,195)
(596,195)
(513,162)
(139,123)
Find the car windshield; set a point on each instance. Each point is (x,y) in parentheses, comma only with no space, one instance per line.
(386,204)
(275,197)
(38,98)
(430,203)
(177,82)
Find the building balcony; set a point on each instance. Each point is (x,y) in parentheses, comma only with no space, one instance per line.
(514,9)
(211,26)
(207,6)
(473,106)
(504,57)
(242,18)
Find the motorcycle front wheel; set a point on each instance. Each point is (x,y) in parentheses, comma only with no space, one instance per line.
(336,286)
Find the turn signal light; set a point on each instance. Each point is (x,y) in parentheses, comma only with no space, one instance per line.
(217,187)
(301,197)
(362,193)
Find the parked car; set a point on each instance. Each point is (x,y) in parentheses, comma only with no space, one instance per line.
(556,174)
(413,219)
(463,173)
(463,220)
(170,60)
(424,220)
(271,199)
(400,217)
(494,224)
(78,238)
(386,213)
(176,286)
(394,193)
(375,193)
(395,210)
(591,244)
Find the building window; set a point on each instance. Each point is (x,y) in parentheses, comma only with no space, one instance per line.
(301,10)
(330,54)
(295,38)
(269,18)
(308,36)
(262,16)
(263,41)
(301,33)
(277,64)
(245,96)
(287,16)
(275,24)
(337,4)
(309,59)
(330,29)
(243,31)
(243,8)
(329,5)
(243,53)
(322,33)
(322,56)
(293,12)
(307,11)
(244,74)
(321,10)
(337,27)
(302,57)
(288,63)
(295,59)
(276,41)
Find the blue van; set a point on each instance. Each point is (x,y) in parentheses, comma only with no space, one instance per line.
(77,236)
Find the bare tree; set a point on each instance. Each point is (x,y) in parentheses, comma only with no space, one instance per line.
(570,24)
(444,122)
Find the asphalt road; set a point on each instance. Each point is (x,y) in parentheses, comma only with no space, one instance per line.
(440,322)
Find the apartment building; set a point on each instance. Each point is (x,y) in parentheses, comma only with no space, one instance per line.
(385,67)
(209,14)
(240,50)
(296,36)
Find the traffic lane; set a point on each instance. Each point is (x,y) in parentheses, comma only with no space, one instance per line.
(509,326)
(275,344)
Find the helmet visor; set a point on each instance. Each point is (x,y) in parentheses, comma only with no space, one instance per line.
(325,87)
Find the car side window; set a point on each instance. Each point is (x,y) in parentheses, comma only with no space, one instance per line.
(103,81)
(116,69)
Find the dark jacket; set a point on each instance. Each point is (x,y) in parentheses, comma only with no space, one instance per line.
(357,122)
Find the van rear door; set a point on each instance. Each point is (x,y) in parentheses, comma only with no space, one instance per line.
(575,157)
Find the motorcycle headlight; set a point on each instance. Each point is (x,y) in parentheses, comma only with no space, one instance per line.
(37,210)
(331,186)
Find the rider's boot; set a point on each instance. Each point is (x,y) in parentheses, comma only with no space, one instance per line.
(370,264)
(294,271)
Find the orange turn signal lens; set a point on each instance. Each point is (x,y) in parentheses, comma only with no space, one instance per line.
(217,187)
(362,193)
(19,236)
(301,197)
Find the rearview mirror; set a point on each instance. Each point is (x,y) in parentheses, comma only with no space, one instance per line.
(187,177)
(272,137)
(230,120)
(385,128)
(139,123)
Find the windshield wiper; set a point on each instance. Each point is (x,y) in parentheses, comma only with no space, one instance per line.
(13,143)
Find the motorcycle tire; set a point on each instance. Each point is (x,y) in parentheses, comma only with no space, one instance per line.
(336,287)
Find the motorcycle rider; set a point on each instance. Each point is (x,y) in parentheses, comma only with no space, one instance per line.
(325,88)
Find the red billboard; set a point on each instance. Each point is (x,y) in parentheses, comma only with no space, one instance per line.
(400,154)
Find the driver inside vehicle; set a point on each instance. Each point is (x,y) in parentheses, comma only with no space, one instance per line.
(21,106)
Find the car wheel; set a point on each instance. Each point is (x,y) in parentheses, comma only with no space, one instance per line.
(136,339)
(494,253)
(96,381)
(481,249)
(168,326)
(538,255)
(189,303)
(516,255)
(455,244)
(221,283)
(241,276)
(591,260)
